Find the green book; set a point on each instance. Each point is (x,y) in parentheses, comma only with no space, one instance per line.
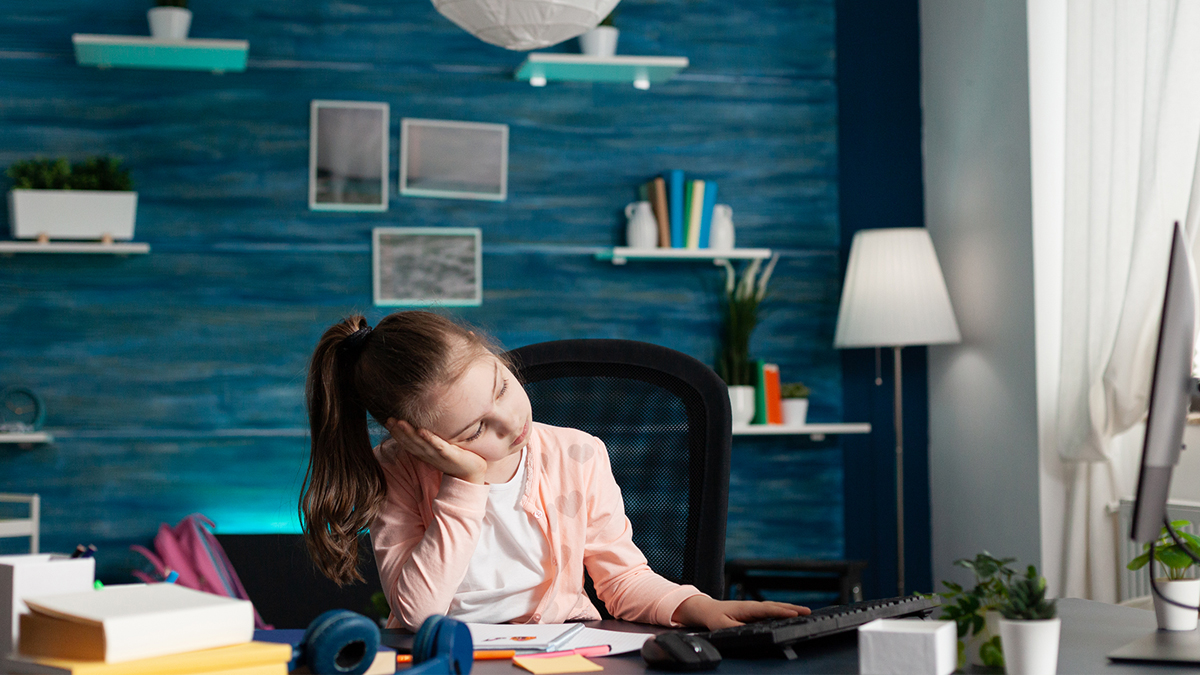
(760,393)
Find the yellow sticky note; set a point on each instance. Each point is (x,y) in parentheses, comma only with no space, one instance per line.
(556,664)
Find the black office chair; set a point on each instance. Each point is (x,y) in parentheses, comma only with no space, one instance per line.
(665,419)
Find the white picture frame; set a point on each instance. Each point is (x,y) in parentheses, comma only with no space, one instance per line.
(349,145)
(453,160)
(427,266)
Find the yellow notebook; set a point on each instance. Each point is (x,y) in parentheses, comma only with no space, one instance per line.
(250,658)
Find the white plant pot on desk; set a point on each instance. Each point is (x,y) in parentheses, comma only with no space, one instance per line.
(1183,591)
(169,23)
(72,214)
(1030,647)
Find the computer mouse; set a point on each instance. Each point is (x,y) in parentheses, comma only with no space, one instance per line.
(680,651)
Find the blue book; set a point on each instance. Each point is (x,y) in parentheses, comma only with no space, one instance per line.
(675,205)
(710,199)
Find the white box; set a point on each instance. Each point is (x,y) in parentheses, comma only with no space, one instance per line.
(907,647)
(72,214)
(27,576)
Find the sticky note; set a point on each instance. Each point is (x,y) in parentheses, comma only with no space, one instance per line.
(557,664)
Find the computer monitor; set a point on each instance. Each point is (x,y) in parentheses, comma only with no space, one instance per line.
(1170,393)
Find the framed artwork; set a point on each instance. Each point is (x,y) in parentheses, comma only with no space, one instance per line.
(453,160)
(423,266)
(348,156)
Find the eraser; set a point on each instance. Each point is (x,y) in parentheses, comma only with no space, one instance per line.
(907,647)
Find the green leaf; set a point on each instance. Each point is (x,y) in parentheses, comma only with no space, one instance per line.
(991,653)
(1140,561)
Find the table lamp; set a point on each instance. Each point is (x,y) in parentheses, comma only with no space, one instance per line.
(894,296)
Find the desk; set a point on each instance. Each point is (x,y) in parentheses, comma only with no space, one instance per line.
(1090,631)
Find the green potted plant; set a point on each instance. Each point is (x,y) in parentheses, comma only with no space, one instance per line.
(740,304)
(53,199)
(1029,627)
(1175,584)
(602,40)
(795,403)
(974,610)
(169,20)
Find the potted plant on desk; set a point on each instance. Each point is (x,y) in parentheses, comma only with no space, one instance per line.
(974,610)
(1030,628)
(52,199)
(1176,585)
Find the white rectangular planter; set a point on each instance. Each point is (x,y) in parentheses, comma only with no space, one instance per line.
(72,214)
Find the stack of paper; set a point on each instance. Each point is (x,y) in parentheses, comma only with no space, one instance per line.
(553,637)
(142,628)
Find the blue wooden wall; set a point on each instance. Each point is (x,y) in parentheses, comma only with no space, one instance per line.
(174,380)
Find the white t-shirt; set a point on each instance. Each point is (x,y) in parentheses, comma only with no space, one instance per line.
(507,573)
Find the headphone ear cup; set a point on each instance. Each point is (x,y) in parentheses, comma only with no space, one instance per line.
(426,639)
(340,642)
(442,646)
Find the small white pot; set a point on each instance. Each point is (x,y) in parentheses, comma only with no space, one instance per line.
(1170,617)
(741,402)
(599,41)
(795,411)
(991,628)
(169,23)
(1030,647)
(72,214)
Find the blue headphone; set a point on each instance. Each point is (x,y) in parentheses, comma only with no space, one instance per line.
(341,642)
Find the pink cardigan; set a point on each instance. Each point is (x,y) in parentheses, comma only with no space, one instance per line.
(429,524)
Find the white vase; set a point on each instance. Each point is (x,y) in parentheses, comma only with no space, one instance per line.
(599,41)
(169,23)
(641,229)
(1183,591)
(1030,647)
(795,411)
(741,403)
(72,214)
(720,234)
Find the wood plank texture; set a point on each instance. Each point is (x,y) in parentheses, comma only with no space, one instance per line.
(150,365)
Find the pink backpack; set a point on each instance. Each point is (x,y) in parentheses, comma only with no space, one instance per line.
(191,550)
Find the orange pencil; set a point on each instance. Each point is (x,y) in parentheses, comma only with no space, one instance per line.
(482,655)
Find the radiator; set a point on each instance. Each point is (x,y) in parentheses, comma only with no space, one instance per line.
(1134,584)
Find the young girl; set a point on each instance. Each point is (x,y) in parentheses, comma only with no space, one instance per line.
(475,510)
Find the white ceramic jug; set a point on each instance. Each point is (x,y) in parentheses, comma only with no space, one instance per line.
(720,237)
(642,228)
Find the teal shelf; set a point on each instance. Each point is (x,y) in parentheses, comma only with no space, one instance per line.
(641,71)
(136,51)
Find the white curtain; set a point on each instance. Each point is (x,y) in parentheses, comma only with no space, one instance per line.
(1131,129)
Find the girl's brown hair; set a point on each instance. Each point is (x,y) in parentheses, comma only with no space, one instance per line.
(385,372)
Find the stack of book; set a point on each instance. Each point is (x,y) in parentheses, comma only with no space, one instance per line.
(768,406)
(683,208)
(142,629)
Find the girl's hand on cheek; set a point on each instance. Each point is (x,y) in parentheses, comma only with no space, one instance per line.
(445,457)
(703,611)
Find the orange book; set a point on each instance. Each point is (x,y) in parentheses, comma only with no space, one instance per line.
(774,400)
(658,201)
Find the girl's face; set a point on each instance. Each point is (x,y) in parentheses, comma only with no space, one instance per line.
(485,411)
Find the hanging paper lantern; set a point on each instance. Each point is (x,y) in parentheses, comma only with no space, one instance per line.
(522,25)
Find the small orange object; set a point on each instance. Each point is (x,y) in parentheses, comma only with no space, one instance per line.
(482,655)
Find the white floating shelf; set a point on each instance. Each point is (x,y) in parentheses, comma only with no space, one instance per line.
(141,51)
(818,432)
(640,71)
(120,248)
(621,254)
(30,438)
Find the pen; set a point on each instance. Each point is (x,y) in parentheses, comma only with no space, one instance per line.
(481,655)
(559,642)
(598,650)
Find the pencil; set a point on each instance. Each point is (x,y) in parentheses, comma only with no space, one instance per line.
(481,655)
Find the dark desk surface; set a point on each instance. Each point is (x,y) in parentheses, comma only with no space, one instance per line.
(1090,631)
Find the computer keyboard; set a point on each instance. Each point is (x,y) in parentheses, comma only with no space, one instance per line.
(770,638)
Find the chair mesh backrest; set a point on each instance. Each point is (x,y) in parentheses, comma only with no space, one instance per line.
(656,427)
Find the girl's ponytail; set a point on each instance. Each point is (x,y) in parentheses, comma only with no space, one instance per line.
(344,484)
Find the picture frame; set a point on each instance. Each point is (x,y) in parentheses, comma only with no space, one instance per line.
(453,160)
(427,266)
(349,145)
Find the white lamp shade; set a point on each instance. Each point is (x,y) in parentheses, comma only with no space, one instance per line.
(522,25)
(894,293)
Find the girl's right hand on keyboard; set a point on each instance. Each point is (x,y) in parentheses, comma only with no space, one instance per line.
(703,611)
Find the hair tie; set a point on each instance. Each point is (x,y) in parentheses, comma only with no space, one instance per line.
(353,344)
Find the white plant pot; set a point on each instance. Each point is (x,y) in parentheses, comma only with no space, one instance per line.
(741,402)
(599,41)
(72,214)
(991,628)
(795,411)
(1030,647)
(169,23)
(1170,617)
